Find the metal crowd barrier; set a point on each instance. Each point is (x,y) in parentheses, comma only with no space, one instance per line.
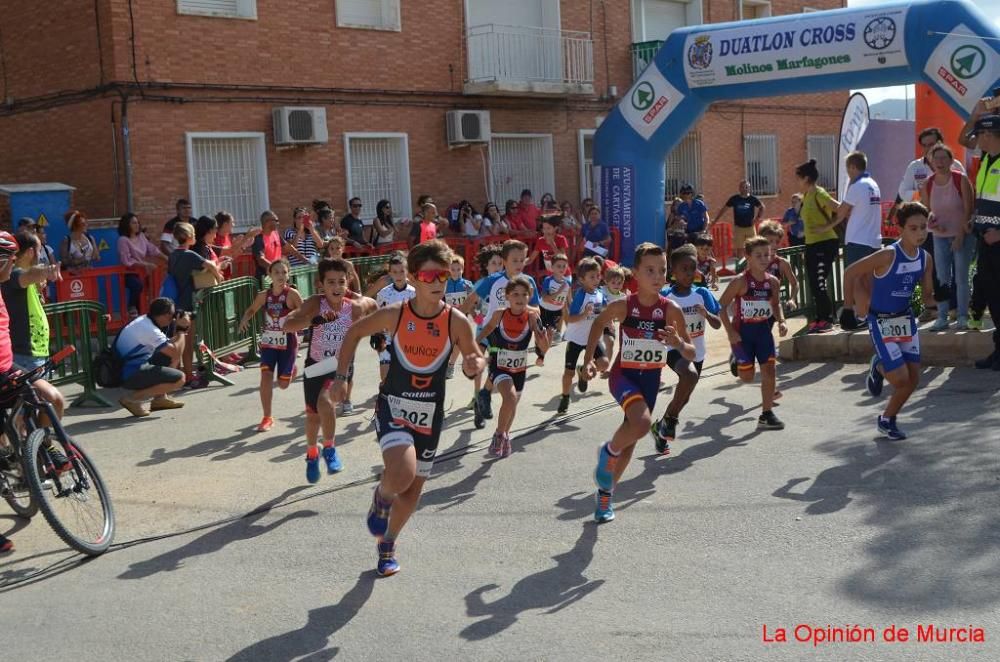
(218,311)
(84,325)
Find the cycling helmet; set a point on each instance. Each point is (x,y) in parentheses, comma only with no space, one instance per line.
(8,245)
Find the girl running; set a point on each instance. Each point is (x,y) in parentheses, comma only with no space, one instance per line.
(456,290)
(895,271)
(510,331)
(409,415)
(650,324)
(278,347)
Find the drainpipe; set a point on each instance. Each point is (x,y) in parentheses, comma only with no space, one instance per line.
(127,153)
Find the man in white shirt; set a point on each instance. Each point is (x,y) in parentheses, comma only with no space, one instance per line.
(862,209)
(150,349)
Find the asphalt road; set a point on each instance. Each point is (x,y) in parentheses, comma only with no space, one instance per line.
(737,531)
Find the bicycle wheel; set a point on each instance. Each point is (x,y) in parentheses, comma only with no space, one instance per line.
(15,489)
(76,503)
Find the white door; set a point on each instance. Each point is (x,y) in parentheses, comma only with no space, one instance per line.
(523,44)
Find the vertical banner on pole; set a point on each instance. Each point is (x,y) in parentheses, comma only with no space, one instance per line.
(852,128)
(617,201)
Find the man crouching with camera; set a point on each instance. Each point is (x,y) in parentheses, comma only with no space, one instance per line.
(150,349)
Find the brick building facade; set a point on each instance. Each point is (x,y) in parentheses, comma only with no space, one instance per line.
(198,93)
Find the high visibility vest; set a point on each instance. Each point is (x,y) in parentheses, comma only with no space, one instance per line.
(987,214)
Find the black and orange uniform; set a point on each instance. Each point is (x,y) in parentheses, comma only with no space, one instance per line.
(752,319)
(510,340)
(636,371)
(410,408)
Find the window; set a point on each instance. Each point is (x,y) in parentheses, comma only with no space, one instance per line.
(683,165)
(378,167)
(656,19)
(221,8)
(809,10)
(228,171)
(750,9)
(586,147)
(824,150)
(370,14)
(520,161)
(760,154)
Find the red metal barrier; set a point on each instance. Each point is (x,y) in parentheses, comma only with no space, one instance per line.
(722,247)
(107,285)
(384,249)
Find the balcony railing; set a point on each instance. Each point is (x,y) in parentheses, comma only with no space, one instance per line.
(528,55)
(642,55)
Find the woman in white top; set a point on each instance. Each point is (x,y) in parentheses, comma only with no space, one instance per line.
(79,250)
(471,222)
(497,224)
(383,226)
(948,194)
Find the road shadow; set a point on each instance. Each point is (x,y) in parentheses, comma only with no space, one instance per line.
(247,440)
(311,639)
(460,492)
(551,590)
(216,539)
(831,490)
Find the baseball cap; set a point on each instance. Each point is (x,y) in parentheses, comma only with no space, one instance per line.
(26,222)
(987,123)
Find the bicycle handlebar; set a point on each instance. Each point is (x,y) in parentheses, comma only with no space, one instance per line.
(32,375)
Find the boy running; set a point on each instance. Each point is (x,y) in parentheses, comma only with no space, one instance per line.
(650,324)
(587,304)
(510,332)
(330,315)
(556,290)
(397,291)
(706,275)
(491,290)
(698,306)
(456,291)
(409,414)
(613,290)
(756,298)
(894,272)
(278,348)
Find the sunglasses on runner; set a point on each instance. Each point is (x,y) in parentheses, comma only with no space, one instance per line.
(431,275)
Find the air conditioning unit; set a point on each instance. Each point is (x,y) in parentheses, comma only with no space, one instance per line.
(468,127)
(300,125)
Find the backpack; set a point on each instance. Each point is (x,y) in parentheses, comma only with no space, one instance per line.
(107,367)
(956,179)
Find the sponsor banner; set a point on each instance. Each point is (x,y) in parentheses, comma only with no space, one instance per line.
(649,102)
(964,66)
(852,128)
(798,46)
(617,202)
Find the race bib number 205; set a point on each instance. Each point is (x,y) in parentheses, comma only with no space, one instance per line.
(643,354)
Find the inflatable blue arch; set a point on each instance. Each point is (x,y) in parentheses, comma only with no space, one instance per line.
(949,44)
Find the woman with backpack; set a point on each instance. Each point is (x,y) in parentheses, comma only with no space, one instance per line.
(948,194)
(79,250)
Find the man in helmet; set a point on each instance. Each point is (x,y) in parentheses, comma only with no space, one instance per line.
(9,250)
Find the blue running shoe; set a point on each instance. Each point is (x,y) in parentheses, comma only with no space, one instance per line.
(312,469)
(486,404)
(378,516)
(387,563)
(604,475)
(604,512)
(875,379)
(887,428)
(333,463)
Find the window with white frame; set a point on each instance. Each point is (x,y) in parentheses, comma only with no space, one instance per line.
(824,150)
(518,162)
(760,155)
(378,168)
(656,19)
(750,9)
(586,149)
(369,14)
(683,165)
(228,172)
(221,8)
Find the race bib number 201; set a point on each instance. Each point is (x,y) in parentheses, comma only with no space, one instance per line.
(895,329)
(414,414)
(643,354)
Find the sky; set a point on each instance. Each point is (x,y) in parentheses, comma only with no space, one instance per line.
(876,94)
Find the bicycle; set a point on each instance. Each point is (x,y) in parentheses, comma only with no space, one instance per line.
(74,500)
